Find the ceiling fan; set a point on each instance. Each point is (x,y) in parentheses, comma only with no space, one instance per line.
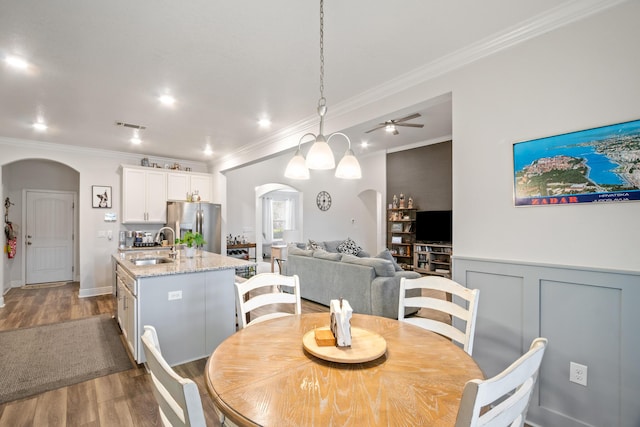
(391,126)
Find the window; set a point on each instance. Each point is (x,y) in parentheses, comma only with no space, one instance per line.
(278,214)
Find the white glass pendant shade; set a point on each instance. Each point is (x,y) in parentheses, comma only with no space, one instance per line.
(320,155)
(296,168)
(349,167)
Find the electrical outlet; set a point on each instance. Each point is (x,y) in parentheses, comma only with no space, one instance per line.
(173,295)
(578,373)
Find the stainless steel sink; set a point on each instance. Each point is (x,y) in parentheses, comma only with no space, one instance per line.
(151,261)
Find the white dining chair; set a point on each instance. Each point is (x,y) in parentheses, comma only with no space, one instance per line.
(178,398)
(468,314)
(271,293)
(504,399)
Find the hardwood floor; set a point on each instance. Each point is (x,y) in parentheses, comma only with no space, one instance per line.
(122,399)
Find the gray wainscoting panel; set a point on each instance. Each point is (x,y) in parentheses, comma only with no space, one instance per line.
(590,316)
(583,323)
(499,326)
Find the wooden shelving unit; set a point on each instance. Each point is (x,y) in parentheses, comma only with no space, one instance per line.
(401,235)
(432,258)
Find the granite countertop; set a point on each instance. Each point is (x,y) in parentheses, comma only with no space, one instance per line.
(144,248)
(208,261)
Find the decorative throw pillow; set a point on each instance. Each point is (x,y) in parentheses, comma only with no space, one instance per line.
(385,254)
(332,245)
(314,245)
(349,247)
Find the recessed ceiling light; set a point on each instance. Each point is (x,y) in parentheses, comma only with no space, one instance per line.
(264,123)
(208,150)
(40,126)
(364,144)
(167,99)
(135,139)
(16,62)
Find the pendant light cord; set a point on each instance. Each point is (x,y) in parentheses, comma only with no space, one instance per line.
(322,102)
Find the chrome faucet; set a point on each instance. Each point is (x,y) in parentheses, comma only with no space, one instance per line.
(172,252)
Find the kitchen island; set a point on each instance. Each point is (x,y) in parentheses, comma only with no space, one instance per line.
(190,301)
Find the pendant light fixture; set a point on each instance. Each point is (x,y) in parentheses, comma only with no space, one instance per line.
(320,155)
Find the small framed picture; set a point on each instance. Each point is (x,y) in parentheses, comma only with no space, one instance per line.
(100,196)
(396,239)
(396,227)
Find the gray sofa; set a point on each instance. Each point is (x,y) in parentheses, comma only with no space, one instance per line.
(370,284)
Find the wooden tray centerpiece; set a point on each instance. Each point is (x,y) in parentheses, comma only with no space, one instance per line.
(365,346)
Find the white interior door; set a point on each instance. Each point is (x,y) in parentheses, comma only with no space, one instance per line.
(49,237)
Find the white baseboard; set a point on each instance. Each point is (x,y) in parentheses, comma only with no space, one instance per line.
(1,301)
(84,293)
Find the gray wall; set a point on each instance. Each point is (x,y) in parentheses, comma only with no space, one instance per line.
(423,173)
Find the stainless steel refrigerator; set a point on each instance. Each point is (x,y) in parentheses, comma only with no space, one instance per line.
(197,216)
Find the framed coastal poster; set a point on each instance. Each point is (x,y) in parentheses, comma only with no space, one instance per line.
(593,165)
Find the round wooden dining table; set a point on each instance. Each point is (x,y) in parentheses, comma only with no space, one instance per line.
(263,376)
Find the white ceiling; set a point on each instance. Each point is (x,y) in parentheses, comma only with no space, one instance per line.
(228,64)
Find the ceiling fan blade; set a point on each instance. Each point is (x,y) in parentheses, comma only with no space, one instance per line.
(412,116)
(377,127)
(411,125)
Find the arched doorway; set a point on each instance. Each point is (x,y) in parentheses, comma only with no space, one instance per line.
(263,194)
(45,193)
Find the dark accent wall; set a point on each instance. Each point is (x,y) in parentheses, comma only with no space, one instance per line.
(423,173)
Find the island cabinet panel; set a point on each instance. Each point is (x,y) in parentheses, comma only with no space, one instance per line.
(192,313)
(175,306)
(190,301)
(220,321)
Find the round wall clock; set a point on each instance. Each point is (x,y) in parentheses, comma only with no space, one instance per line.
(323,201)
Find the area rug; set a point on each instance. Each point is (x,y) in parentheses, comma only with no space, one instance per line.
(41,358)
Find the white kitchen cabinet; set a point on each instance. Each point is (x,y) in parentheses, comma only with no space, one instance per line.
(144,196)
(181,183)
(120,305)
(129,320)
(126,307)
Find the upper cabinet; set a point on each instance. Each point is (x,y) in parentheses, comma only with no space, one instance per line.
(181,183)
(144,196)
(145,192)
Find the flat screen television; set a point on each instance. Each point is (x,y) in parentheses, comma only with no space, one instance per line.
(433,226)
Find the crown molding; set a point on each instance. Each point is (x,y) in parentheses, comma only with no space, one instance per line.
(538,25)
(40,146)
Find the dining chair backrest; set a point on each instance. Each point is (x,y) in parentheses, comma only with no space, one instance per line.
(271,294)
(178,398)
(466,313)
(504,399)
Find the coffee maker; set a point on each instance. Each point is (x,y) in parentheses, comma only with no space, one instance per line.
(126,239)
